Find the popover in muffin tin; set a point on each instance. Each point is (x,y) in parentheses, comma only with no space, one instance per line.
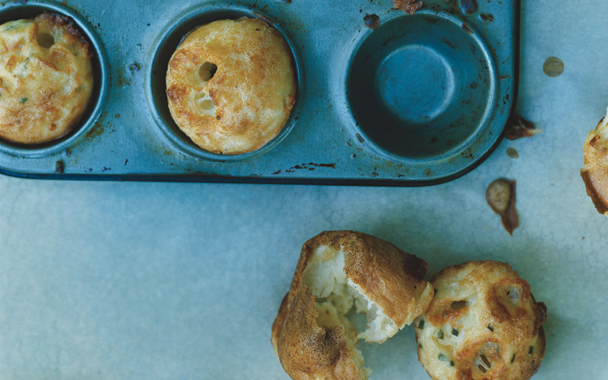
(231,85)
(46,78)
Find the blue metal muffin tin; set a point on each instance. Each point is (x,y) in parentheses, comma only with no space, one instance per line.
(421,100)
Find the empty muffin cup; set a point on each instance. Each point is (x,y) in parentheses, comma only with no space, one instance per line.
(422,89)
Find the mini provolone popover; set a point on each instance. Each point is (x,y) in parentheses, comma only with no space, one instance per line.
(483,323)
(46,78)
(338,271)
(595,172)
(231,85)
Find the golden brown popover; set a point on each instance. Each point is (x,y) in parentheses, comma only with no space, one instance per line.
(595,172)
(483,323)
(338,271)
(46,78)
(231,85)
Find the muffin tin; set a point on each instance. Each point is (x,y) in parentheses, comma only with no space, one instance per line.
(422,99)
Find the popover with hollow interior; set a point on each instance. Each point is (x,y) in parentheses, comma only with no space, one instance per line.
(483,323)
(595,172)
(231,85)
(46,78)
(339,271)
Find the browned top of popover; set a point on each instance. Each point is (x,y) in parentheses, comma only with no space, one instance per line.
(231,85)
(46,78)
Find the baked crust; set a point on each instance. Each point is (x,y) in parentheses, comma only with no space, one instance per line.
(595,172)
(46,78)
(389,278)
(308,351)
(408,6)
(483,323)
(245,103)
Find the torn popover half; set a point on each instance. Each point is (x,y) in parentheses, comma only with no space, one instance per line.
(338,271)
(595,172)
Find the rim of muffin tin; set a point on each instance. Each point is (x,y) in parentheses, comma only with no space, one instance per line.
(450,164)
(99,95)
(164,47)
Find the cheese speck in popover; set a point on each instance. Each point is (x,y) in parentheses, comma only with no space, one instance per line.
(46,78)
(231,85)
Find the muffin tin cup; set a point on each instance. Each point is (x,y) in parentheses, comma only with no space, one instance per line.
(421,100)
(101,73)
(164,48)
(421,88)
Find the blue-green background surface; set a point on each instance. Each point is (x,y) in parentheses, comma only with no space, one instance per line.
(110,280)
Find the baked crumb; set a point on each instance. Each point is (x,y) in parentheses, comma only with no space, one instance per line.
(519,127)
(408,6)
(371,21)
(500,195)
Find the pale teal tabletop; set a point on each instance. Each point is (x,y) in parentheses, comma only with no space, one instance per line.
(109,280)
